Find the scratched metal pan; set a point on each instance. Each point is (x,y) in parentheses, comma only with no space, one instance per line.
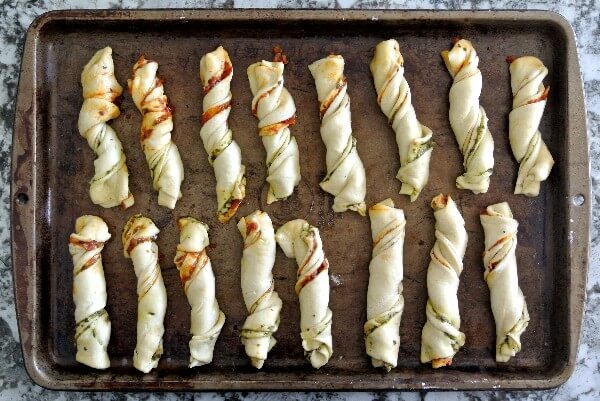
(52,165)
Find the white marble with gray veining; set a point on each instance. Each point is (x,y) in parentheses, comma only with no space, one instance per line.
(15,17)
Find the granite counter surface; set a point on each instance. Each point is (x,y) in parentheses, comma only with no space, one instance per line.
(15,17)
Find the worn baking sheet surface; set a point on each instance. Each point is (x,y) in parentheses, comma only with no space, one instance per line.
(52,165)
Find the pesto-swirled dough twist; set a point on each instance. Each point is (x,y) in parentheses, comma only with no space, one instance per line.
(301,241)
(110,185)
(274,107)
(162,155)
(394,97)
(258,288)
(345,178)
(92,330)
(198,282)
(508,303)
(139,235)
(224,154)
(385,302)
(468,119)
(529,101)
(441,338)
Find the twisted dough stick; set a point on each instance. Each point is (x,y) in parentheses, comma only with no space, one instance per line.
(468,118)
(198,282)
(385,302)
(92,330)
(300,240)
(394,98)
(162,155)
(110,185)
(261,299)
(345,177)
(508,303)
(529,101)
(275,108)
(441,338)
(138,239)
(224,153)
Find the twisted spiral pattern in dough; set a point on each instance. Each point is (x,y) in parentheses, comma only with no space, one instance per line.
(394,97)
(345,177)
(508,303)
(468,119)
(301,241)
(258,288)
(92,330)
(198,282)
(529,101)
(224,154)
(275,108)
(441,338)
(110,185)
(162,155)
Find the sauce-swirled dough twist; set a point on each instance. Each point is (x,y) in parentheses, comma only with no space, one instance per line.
(441,338)
(301,241)
(394,97)
(92,330)
(529,101)
(162,155)
(110,185)
(139,235)
(258,288)
(198,280)
(345,178)
(224,154)
(468,119)
(500,261)
(385,302)
(274,107)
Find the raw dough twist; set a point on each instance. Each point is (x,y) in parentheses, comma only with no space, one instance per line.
(198,282)
(529,101)
(394,97)
(441,338)
(468,119)
(345,177)
(508,303)
(224,154)
(110,185)
(92,330)
(138,239)
(258,288)
(300,240)
(385,302)
(274,107)
(162,155)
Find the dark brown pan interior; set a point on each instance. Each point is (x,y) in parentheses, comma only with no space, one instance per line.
(63,166)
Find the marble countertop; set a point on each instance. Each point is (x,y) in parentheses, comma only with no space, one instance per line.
(15,17)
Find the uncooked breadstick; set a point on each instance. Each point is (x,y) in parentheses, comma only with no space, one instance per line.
(385,302)
(258,288)
(162,155)
(394,98)
(138,239)
(508,303)
(110,185)
(301,241)
(529,101)
(198,282)
(345,177)
(441,338)
(468,119)
(92,330)
(224,154)
(274,107)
